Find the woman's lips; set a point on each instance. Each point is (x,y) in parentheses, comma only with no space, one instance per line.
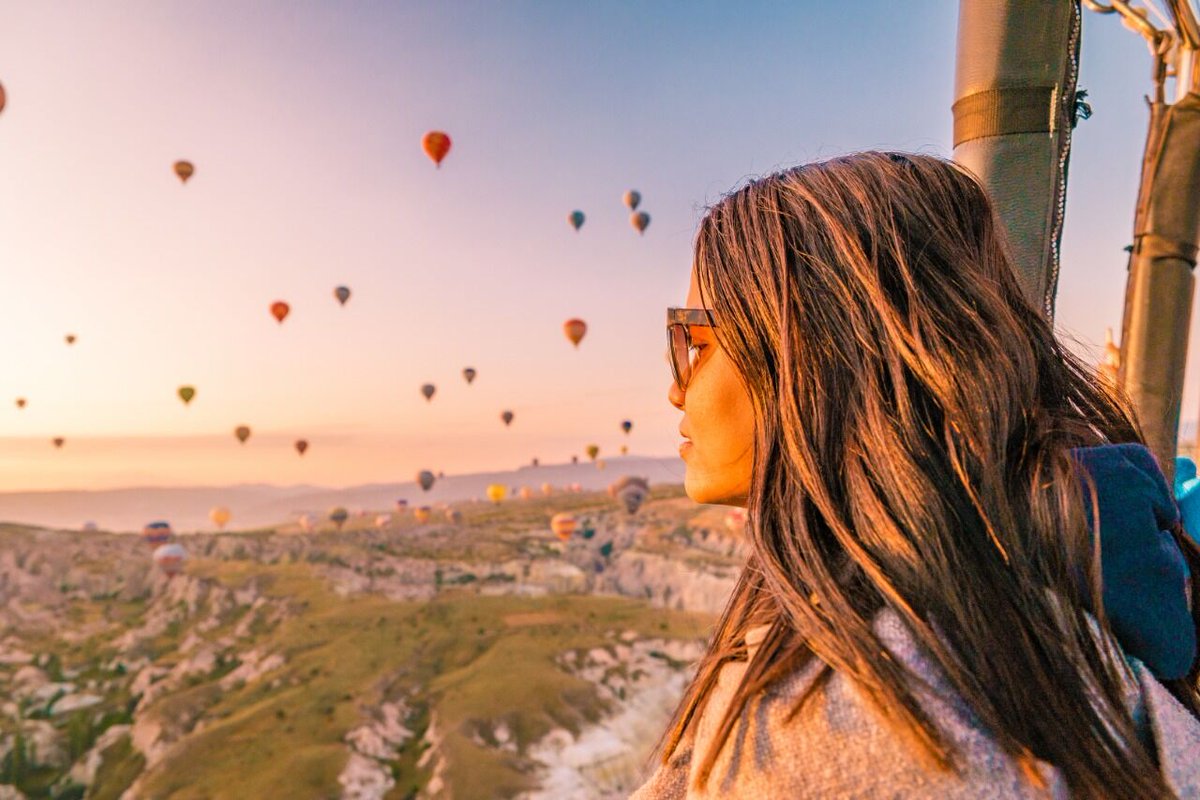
(685,447)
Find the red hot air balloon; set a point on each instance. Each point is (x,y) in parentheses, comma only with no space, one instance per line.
(575,329)
(436,145)
(280,310)
(301,446)
(157,533)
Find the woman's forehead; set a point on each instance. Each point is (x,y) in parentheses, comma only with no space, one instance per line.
(693,295)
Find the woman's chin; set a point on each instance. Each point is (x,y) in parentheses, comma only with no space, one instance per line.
(707,493)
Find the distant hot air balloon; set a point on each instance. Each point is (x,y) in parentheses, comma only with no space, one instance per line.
(186,393)
(3,97)
(592,451)
(630,492)
(220,515)
(425,479)
(242,433)
(639,220)
(185,170)
(338,516)
(170,558)
(547,489)
(575,330)
(383,520)
(632,198)
(157,532)
(507,416)
(454,516)
(496,492)
(735,520)
(20,402)
(58,441)
(90,527)
(436,145)
(574,459)
(606,549)
(280,310)
(421,514)
(576,218)
(401,506)
(469,373)
(428,390)
(576,487)
(70,337)
(624,449)
(301,446)
(563,525)
(627,426)
(307,522)
(535,462)
(526,493)
(342,293)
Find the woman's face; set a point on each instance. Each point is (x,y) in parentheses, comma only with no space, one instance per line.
(718,422)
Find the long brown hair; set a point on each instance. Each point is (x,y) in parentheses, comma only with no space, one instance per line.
(914,416)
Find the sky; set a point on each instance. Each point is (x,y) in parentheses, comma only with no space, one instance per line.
(304,122)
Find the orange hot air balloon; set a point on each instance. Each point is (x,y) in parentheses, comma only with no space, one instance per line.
(58,441)
(496,492)
(547,489)
(436,145)
(301,446)
(242,433)
(280,310)
(526,493)
(639,220)
(220,515)
(575,329)
(184,170)
(20,402)
(563,525)
(421,514)
(70,337)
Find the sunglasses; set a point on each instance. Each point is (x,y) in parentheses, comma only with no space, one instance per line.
(680,351)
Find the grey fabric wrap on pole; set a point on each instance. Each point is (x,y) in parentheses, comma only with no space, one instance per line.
(1013,113)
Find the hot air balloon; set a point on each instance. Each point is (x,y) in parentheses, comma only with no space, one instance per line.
(401,506)
(563,525)
(307,522)
(639,220)
(606,549)
(20,402)
(170,558)
(242,433)
(421,514)
(156,533)
(280,310)
(526,493)
(70,337)
(342,293)
(185,170)
(428,390)
(425,479)
(574,459)
(630,492)
(436,145)
(90,527)
(575,330)
(576,487)
(58,441)
(592,451)
(469,374)
(576,218)
(547,489)
(507,416)
(383,520)
(631,199)
(220,515)
(3,97)
(301,446)
(624,449)
(735,520)
(186,393)
(454,516)
(535,462)
(627,426)
(496,492)
(338,516)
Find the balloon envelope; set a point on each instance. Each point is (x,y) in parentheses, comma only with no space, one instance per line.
(632,198)
(425,479)
(547,489)
(186,393)
(301,446)
(170,558)
(280,310)
(469,373)
(70,337)
(507,416)
(575,329)
(428,390)
(576,218)
(157,532)
(58,441)
(592,451)
(563,525)
(526,493)
(20,402)
(220,515)
(242,433)
(338,515)
(639,220)
(436,145)
(383,520)
(184,169)
(627,426)
(421,514)
(496,492)
(342,293)
(3,97)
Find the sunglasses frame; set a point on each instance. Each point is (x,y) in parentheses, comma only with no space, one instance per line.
(679,340)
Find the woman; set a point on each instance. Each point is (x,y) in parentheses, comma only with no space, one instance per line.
(924,612)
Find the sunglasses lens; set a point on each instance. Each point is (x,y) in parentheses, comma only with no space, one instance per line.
(681,364)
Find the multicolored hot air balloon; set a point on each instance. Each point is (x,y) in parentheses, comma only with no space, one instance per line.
(342,293)
(20,402)
(219,516)
(421,514)
(575,329)
(157,532)
(58,441)
(627,426)
(575,219)
(630,492)
(631,199)
(170,558)
(564,525)
(338,516)
(70,337)
(592,451)
(428,389)
(184,170)
(507,417)
(186,393)
(497,492)
(639,220)
(469,373)
(425,479)
(280,310)
(242,433)
(301,446)
(436,145)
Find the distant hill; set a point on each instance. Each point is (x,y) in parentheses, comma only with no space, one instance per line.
(258,505)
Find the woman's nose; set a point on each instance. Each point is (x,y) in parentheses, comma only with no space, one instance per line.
(675,396)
